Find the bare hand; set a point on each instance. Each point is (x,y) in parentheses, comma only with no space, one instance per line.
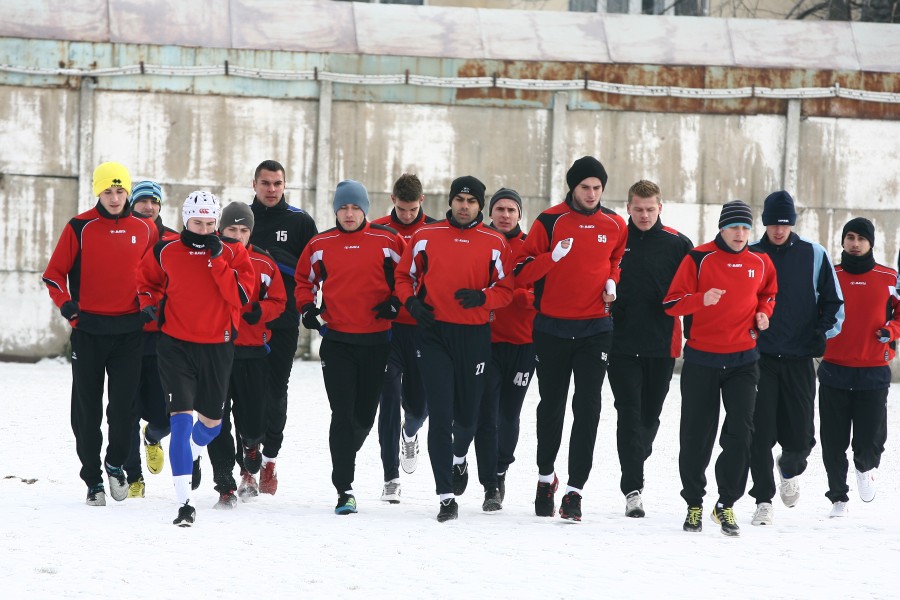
(712,296)
(762,321)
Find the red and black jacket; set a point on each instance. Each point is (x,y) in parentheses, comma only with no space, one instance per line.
(199,298)
(95,264)
(513,324)
(355,272)
(269,294)
(444,257)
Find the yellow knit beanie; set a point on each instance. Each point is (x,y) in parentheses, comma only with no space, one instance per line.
(111,174)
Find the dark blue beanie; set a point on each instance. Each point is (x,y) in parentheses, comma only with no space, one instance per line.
(778,209)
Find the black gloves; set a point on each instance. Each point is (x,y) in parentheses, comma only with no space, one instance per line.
(214,245)
(253,315)
(421,312)
(818,349)
(69,310)
(308,316)
(470,298)
(389,309)
(149,314)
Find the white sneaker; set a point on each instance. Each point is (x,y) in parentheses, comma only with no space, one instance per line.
(839,509)
(764,515)
(865,485)
(634,507)
(409,451)
(391,491)
(789,487)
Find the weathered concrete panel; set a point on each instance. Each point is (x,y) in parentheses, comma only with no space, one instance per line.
(32,327)
(183,23)
(658,40)
(39,129)
(877,46)
(530,35)
(55,19)
(793,44)
(305,26)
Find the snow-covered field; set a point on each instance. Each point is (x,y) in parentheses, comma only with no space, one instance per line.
(292,545)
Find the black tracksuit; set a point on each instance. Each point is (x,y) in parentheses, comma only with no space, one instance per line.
(809,304)
(283,231)
(646,342)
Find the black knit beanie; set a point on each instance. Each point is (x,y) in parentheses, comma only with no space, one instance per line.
(584,167)
(735,213)
(778,209)
(468,185)
(860,226)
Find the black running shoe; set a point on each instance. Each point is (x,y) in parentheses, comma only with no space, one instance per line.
(185,516)
(570,507)
(543,501)
(449,510)
(460,478)
(492,501)
(195,474)
(346,505)
(252,459)
(693,522)
(227,501)
(96,495)
(724,517)
(501,486)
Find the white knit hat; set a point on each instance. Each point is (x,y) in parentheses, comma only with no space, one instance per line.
(201,204)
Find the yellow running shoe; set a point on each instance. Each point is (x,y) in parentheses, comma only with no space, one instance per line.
(155,455)
(136,489)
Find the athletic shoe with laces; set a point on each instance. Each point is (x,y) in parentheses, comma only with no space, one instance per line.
(409,451)
(544,505)
(118,482)
(788,487)
(391,491)
(839,509)
(248,487)
(346,505)
(195,474)
(724,517)
(501,486)
(268,478)
(448,511)
(136,488)
(460,478)
(570,507)
(186,516)
(252,458)
(492,501)
(154,454)
(634,506)
(227,501)
(693,522)
(865,485)
(96,495)
(764,515)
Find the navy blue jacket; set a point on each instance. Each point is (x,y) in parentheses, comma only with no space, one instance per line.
(809,298)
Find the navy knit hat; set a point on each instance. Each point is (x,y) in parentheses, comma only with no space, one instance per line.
(584,167)
(860,226)
(778,209)
(468,185)
(146,189)
(506,193)
(736,213)
(351,192)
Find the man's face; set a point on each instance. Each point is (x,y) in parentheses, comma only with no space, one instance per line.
(407,211)
(464,208)
(736,237)
(201,225)
(351,217)
(147,206)
(778,234)
(856,244)
(114,199)
(505,215)
(269,187)
(644,212)
(586,195)
(238,232)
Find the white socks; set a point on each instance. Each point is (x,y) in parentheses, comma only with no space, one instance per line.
(458,460)
(182,488)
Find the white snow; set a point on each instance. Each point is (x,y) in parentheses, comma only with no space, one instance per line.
(292,545)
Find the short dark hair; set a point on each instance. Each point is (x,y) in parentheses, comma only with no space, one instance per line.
(644,189)
(268,165)
(407,188)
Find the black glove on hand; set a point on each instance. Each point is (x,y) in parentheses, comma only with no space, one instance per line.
(309,316)
(818,350)
(389,309)
(421,312)
(470,298)
(149,314)
(214,245)
(253,315)
(69,310)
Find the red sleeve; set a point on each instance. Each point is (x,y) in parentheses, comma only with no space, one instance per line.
(275,299)
(615,258)
(535,260)
(404,280)
(499,293)
(684,298)
(151,280)
(306,277)
(238,270)
(61,262)
(769,289)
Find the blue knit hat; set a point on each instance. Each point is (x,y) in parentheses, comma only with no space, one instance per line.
(146,189)
(351,192)
(778,209)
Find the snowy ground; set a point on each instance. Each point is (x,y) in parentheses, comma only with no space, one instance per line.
(292,545)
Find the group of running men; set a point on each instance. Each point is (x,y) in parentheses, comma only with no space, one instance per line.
(448,320)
